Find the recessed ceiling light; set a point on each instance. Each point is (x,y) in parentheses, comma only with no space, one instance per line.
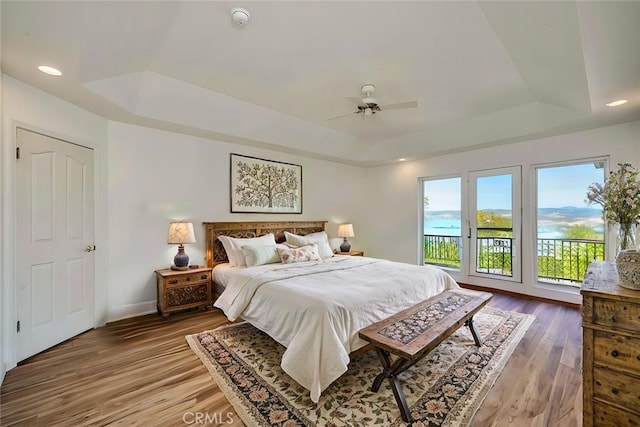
(616,103)
(50,70)
(402,159)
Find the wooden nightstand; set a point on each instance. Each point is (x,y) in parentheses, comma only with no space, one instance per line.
(352,253)
(182,290)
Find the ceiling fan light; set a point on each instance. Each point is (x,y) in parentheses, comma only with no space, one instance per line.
(369,100)
(368,111)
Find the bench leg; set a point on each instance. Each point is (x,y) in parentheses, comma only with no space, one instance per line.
(391,371)
(474,331)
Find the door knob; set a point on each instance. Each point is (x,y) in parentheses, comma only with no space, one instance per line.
(90,248)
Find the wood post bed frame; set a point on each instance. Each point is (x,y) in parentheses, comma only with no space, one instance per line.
(215,252)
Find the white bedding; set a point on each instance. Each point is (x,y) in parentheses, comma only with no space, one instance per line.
(315,309)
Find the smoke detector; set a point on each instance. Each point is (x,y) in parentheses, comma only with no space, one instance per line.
(240,15)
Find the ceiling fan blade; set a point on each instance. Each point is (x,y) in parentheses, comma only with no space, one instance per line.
(408,104)
(342,115)
(357,101)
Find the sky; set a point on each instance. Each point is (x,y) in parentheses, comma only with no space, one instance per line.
(558,186)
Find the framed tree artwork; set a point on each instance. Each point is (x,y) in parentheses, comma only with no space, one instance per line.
(265,186)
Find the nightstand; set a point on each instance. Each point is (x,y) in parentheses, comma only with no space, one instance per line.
(352,253)
(182,290)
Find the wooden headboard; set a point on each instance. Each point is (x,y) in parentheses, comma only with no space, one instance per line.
(216,253)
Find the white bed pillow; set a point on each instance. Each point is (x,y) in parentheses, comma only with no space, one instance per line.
(319,238)
(299,254)
(260,255)
(233,246)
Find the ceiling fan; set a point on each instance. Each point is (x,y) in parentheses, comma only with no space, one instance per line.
(368,105)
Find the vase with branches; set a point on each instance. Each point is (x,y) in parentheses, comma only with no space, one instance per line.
(620,200)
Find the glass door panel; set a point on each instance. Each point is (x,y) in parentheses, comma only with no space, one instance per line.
(495,222)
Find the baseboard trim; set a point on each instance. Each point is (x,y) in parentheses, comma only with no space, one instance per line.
(131,310)
(519,295)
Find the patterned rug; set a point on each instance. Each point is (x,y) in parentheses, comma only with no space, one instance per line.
(443,389)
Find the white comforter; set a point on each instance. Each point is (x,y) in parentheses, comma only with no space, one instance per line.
(316,309)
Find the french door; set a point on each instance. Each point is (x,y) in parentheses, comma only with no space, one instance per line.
(495,223)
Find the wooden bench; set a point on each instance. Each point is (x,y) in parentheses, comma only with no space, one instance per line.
(413,333)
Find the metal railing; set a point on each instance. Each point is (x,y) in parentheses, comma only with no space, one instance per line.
(567,259)
(443,250)
(494,255)
(562,261)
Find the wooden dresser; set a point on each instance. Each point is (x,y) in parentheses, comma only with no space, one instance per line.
(611,349)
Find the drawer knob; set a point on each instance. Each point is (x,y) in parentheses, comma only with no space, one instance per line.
(615,353)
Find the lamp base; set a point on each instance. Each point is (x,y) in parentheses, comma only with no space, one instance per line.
(345,246)
(181,260)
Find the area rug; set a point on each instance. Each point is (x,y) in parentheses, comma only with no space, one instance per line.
(443,389)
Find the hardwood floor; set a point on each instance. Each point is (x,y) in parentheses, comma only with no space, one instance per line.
(141,371)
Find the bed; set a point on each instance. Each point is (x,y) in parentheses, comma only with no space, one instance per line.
(313,308)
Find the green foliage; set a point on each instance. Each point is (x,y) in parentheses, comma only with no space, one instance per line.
(584,232)
(488,219)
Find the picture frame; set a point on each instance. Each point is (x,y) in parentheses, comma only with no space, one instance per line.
(264,186)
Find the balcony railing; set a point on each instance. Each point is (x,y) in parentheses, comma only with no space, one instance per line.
(562,261)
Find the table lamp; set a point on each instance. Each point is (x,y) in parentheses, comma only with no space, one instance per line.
(181,233)
(344,231)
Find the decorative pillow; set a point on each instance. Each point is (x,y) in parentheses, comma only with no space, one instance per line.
(233,246)
(300,254)
(260,255)
(320,238)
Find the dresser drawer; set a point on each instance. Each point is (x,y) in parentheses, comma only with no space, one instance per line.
(187,279)
(617,352)
(616,314)
(184,296)
(609,416)
(616,388)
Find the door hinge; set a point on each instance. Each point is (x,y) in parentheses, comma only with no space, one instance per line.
(18,326)
(17,152)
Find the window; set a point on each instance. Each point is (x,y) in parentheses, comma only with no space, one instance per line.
(570,233)
(473,223)
(442,225)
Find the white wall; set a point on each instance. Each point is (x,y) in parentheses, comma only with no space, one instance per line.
(144,179)
(395,199)
(157,176)
(30,108)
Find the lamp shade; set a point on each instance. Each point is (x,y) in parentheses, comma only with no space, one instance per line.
(345,230)
(181,233)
